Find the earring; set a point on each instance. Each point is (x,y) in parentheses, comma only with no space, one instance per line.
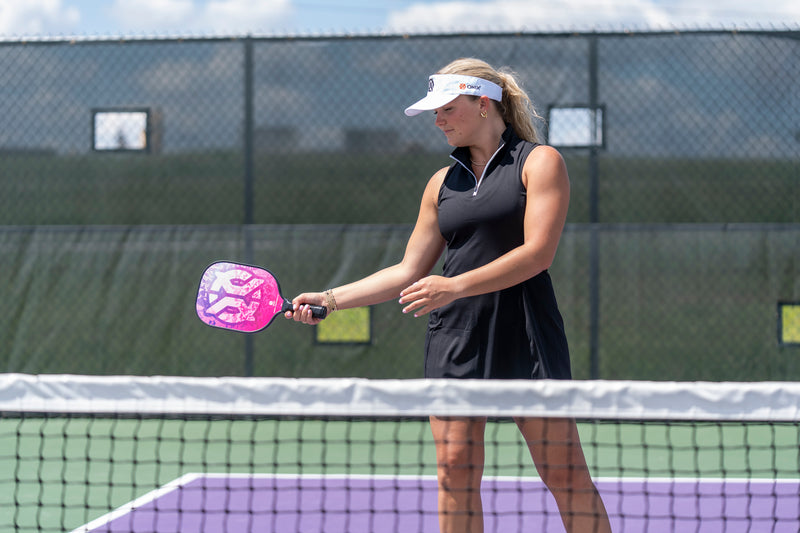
(483,114)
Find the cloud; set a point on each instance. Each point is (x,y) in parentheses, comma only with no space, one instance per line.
(237,17)
(239,14)
(36,17)
(518,15)
(151,14)
(217,16)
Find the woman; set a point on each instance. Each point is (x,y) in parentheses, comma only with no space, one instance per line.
(499,211)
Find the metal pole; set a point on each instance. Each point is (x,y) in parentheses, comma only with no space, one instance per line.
(247,148)
(594,218)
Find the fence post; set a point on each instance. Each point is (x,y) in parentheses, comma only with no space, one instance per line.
(247,151)
(594,218)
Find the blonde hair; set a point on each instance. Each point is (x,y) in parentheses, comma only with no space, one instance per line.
(516,107)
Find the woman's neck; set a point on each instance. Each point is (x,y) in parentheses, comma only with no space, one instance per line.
(487,145)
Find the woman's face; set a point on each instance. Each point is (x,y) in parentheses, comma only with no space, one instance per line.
(458,120)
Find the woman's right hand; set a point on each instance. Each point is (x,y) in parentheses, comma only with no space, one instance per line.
(300,307)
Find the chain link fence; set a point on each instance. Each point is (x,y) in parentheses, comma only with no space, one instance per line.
(128,166)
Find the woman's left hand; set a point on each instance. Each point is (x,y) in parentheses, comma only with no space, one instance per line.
(427,294)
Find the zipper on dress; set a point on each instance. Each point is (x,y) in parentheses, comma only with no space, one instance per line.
(478,180)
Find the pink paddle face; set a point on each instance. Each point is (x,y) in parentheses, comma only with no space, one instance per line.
(238,297)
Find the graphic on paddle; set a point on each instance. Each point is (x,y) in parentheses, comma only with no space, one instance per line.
(242,297)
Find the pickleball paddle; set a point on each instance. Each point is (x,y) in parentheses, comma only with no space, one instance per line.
(242,297)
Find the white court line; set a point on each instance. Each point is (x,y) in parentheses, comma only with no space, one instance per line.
(138,502)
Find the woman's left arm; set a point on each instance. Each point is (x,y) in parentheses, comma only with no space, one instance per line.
(546,182)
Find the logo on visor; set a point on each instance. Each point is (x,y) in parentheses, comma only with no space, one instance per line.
(430,85)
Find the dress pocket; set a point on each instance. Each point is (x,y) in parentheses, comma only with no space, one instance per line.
(452,353)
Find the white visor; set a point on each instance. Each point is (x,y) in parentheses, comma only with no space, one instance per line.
(444,88)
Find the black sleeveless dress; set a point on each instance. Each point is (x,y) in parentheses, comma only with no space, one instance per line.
(516,333)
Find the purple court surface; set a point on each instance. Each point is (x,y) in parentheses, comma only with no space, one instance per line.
(382,504)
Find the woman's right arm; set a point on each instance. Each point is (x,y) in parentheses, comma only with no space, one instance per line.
(423,250)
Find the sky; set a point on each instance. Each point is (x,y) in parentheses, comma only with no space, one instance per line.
(172,18)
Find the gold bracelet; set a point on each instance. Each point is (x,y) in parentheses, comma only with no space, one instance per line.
(331,300)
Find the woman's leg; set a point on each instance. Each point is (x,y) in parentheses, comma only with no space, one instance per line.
(556,450)
(459,460)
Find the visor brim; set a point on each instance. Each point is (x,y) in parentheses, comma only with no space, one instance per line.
(429,103)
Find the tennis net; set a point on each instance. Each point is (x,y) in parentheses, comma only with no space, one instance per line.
(167,454)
